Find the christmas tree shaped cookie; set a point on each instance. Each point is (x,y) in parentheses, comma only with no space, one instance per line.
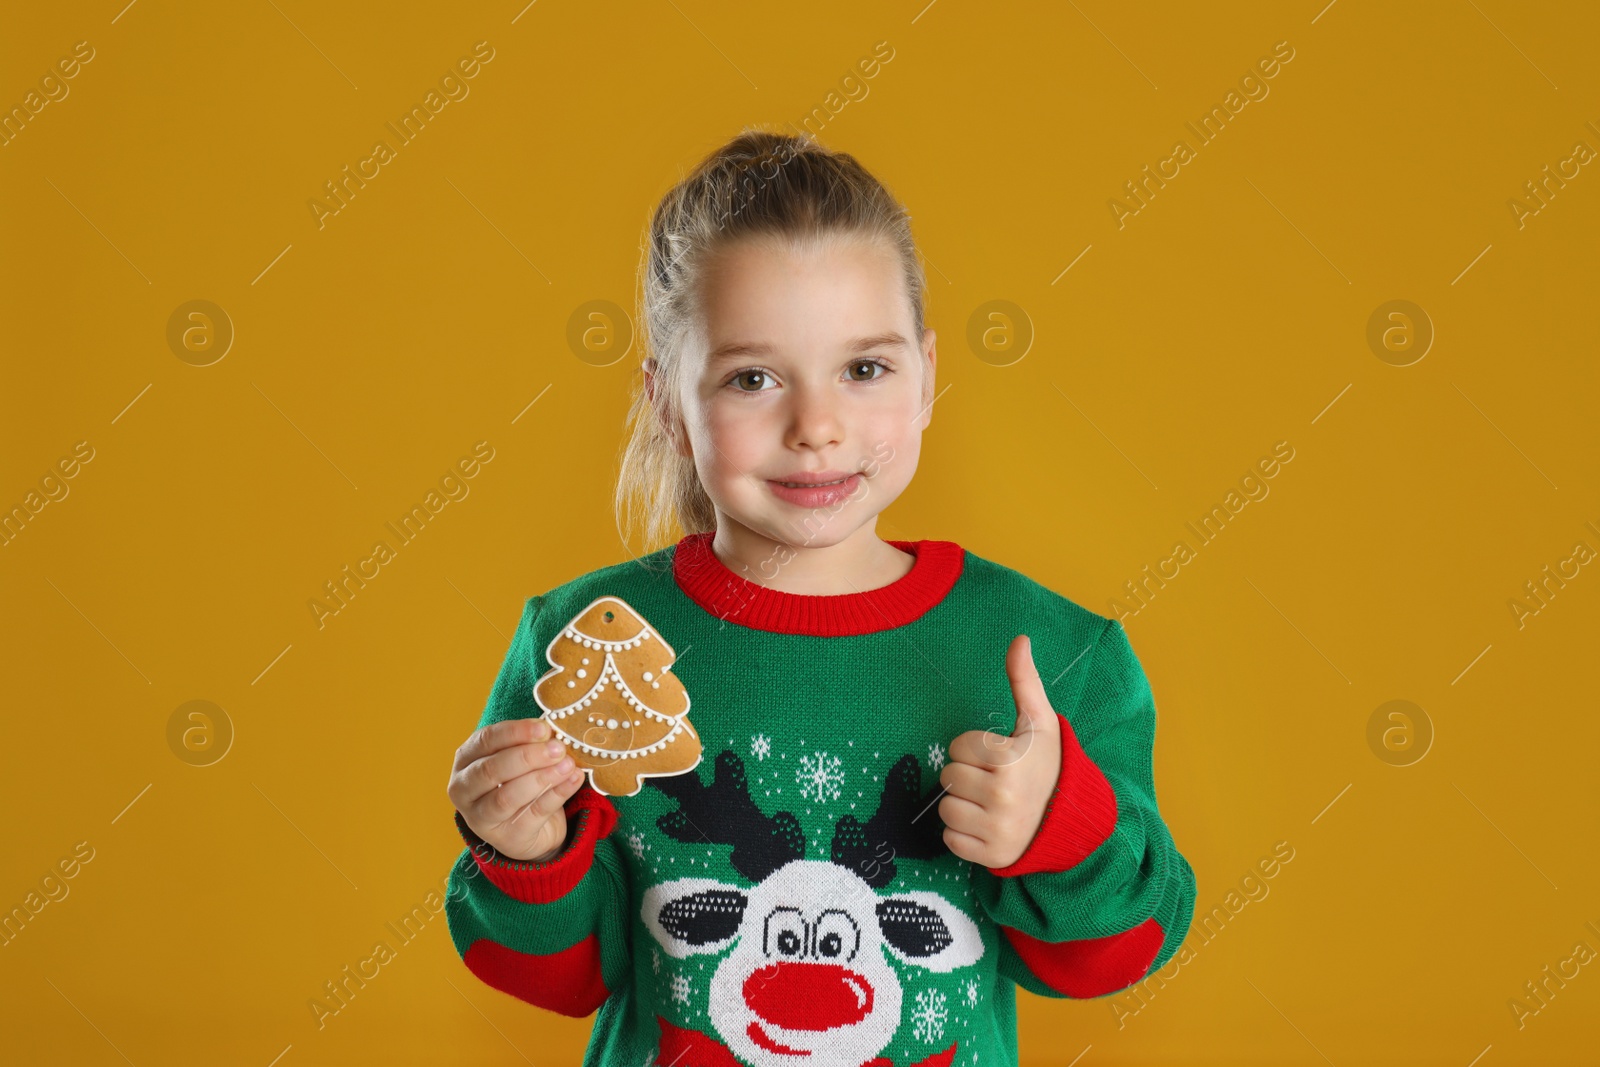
(611,698)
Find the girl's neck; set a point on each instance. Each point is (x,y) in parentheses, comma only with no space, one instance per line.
(860,562)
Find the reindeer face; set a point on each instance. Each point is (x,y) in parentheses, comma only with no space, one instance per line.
(808,972)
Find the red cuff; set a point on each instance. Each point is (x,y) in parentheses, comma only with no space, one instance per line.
(590,817)
(1081,815)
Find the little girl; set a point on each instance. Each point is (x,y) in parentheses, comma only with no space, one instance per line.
(849,804)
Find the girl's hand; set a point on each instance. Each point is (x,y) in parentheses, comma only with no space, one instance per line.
(997,787)
(509,783)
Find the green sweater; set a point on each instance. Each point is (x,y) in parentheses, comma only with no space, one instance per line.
(790,899)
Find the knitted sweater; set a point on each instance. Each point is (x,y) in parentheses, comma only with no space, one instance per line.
(790,898)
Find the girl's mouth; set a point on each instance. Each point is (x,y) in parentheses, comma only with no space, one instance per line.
(812,485)
(816,494)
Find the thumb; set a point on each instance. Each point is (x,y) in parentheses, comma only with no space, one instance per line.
(1034,713)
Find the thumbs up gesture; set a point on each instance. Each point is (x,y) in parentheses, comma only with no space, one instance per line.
(997,786)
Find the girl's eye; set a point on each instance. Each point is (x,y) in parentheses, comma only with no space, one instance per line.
(759,376)
(869,363)
(756,380)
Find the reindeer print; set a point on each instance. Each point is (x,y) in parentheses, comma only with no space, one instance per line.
(807,976)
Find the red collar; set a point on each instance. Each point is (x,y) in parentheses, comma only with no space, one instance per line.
(707,581)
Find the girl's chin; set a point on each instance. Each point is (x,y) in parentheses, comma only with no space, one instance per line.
(786,525)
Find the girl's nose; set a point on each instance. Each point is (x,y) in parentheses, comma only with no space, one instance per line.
(813,422)
(808,996)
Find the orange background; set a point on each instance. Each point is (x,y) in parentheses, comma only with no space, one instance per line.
(370,354)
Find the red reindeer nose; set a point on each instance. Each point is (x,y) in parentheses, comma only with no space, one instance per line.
(808,996)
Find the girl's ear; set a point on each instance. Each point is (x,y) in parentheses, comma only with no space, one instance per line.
(930,350)
(650,382)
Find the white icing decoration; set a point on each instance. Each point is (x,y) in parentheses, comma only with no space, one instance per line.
(633,753)
(607,674)
(610,646)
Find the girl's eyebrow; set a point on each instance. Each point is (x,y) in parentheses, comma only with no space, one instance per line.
(732,350)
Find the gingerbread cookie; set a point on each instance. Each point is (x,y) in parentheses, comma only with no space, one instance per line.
(612,700)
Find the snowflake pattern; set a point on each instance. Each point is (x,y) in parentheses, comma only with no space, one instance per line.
(936,756)
(927,1019)
(680,989)
(821,777)
(760,746)
(970,991)
(636,844)
(655,961)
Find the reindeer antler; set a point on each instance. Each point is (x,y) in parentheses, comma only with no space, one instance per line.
(905,824)
(722,813)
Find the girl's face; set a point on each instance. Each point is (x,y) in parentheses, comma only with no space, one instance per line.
(807,370)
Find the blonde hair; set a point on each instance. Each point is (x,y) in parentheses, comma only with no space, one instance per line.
(774,186)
